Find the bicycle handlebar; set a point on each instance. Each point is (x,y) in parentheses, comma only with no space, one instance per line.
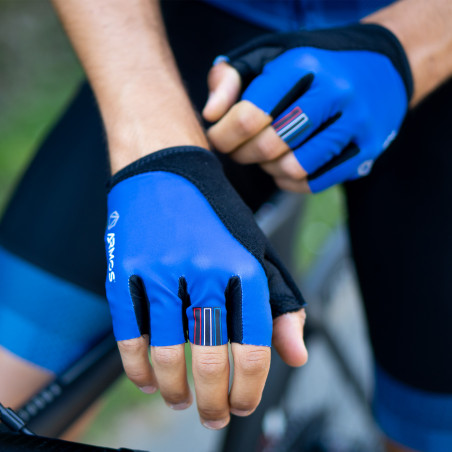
(18,442)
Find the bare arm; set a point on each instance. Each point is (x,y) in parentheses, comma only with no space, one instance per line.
(425,30)
(123,48)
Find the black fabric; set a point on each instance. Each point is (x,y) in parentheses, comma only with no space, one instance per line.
(186,303)
(188,24)
(56,218)
(233,297)
(400,219)
(322,127)
(250,58)
(347,153)
(400,215)
(293,94)
(140,303)
(203,170)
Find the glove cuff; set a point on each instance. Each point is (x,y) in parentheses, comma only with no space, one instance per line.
(249,59)
(204,171)
(191,162)
(382,40)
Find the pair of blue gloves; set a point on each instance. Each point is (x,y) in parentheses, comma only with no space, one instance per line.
(186,260)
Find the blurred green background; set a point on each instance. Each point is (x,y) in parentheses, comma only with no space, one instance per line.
(38,75)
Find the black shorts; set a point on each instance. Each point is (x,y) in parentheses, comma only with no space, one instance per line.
(400,219)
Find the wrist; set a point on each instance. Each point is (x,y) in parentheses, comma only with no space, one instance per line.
(143,113)
(138,125)
(188,161)
(427,50)
(131,143)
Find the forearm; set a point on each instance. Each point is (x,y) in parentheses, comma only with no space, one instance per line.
(123,47)
(425,30)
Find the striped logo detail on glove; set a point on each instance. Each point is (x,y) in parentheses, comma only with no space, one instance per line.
(207,326)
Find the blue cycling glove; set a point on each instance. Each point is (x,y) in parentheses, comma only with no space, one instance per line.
(186,259)
(337,96)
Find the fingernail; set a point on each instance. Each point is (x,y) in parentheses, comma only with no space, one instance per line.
(215,425)
(180,406)
(148,389)
(240,412)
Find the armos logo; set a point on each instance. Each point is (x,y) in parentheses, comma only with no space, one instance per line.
(113,219)
(111,256)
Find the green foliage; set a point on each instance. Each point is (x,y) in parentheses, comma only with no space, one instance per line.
(121,397)
(322,213)
(39,74)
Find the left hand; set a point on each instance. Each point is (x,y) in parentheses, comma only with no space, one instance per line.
(187,261)
(319,106)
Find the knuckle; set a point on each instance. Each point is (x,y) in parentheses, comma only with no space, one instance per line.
(254,361)
(251,272)
(338,87)
(137,375)
(166,356)
(266,150)
(246,123)
(345,91)
(131,346)
(211,365)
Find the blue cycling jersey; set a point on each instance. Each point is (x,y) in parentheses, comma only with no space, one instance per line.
(287,15)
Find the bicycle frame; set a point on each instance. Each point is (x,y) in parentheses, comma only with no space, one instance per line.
(58,405)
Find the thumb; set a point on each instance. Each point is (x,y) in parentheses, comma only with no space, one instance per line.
(224,88)
(288,338)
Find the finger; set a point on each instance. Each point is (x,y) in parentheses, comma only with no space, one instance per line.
(285,167)
(210,366)
(241,123)
(251,366)
(135,359)
(348,165)
(264,147)
(296,186)
(316,153)
(306,107)
(324,146)
(224,88)
(171,372)
(288,338)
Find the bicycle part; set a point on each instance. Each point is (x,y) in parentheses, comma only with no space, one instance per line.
(59,404)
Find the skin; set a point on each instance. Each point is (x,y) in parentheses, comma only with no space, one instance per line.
(21,381)
(138,71)
(244,131)
(124,51)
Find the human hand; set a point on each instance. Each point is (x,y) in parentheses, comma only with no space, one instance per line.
(186,261)
(318,106)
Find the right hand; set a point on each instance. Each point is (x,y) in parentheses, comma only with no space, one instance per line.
(318,108)
(187,261)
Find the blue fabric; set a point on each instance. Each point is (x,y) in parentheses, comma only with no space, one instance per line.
(418,419)
(357,84)
(286,15)
(44,319)
(162,228)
